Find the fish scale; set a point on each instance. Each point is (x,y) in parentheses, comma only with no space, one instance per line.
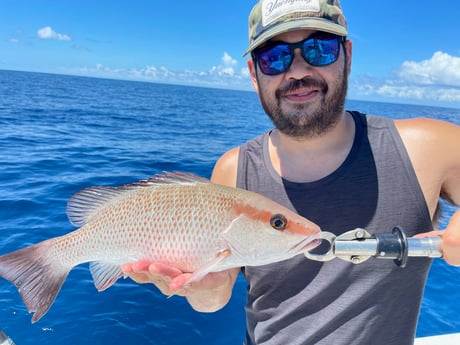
(175,219)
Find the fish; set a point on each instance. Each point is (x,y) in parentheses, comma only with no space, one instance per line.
(174,218)
(4,339)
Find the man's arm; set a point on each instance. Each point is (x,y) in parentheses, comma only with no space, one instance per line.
(213,291)
(450,189)
(434,149)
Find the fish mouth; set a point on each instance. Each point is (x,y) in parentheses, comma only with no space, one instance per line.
(306,245)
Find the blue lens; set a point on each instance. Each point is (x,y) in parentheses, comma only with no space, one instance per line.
(276,59)
(317,51)
(321,52)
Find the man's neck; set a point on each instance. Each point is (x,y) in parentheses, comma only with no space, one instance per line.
(307,160)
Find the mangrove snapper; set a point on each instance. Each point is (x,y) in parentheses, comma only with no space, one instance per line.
(174,218)
(5,340)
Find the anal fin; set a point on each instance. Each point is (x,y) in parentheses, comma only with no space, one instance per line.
(104,274)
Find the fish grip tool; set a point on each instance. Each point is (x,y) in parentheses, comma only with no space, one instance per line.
(358,245)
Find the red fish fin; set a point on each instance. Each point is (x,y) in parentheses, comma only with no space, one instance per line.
(171,178)
(86,203)
(104,274)
(210,267)
(37,277)
(82,205)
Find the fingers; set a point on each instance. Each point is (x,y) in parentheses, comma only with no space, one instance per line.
(430,234)
(144,267)
(179,282)
(451,240)
(162,269)
(137,274)
(160,275)
(209,294)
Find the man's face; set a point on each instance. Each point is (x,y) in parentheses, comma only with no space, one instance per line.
(304,101)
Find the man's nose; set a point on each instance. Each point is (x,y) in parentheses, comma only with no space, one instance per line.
(299,67)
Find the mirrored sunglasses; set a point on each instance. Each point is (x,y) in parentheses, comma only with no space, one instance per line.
(276,57)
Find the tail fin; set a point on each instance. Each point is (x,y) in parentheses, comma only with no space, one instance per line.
(37,277)
(4,339)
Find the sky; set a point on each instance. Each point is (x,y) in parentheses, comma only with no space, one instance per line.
(404,51)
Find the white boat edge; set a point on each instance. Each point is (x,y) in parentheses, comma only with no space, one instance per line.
(446,339)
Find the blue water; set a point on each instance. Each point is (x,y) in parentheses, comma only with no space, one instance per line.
(60,134)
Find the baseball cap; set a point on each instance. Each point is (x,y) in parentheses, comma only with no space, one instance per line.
(270,18)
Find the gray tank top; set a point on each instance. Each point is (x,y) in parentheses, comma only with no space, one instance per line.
(299,301)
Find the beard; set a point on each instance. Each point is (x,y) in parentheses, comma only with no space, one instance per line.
(302,122)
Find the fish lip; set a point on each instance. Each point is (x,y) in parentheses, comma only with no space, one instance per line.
(307,244)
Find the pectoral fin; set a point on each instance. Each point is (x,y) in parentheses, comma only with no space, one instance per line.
(210,267)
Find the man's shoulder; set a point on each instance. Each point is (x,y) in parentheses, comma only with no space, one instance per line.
(434,148)
(226,167)
(427,128)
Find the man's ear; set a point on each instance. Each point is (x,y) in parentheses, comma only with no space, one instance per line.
(349,49)
(253,73)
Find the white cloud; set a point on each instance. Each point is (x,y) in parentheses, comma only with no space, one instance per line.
(433,80)
(228,60)
(48,33)
(441,69)
(225,75)
(227,68)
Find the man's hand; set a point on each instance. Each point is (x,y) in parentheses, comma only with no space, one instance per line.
(450,240)
(158,274)
(207,295)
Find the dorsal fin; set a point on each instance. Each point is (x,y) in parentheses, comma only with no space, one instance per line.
(87,202)
(83,204)
(171,177)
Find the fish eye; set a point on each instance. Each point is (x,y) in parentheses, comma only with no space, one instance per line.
(278,222)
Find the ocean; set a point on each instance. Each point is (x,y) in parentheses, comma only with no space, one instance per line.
(60,134)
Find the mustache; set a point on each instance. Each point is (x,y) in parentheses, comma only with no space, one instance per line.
(301,83)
